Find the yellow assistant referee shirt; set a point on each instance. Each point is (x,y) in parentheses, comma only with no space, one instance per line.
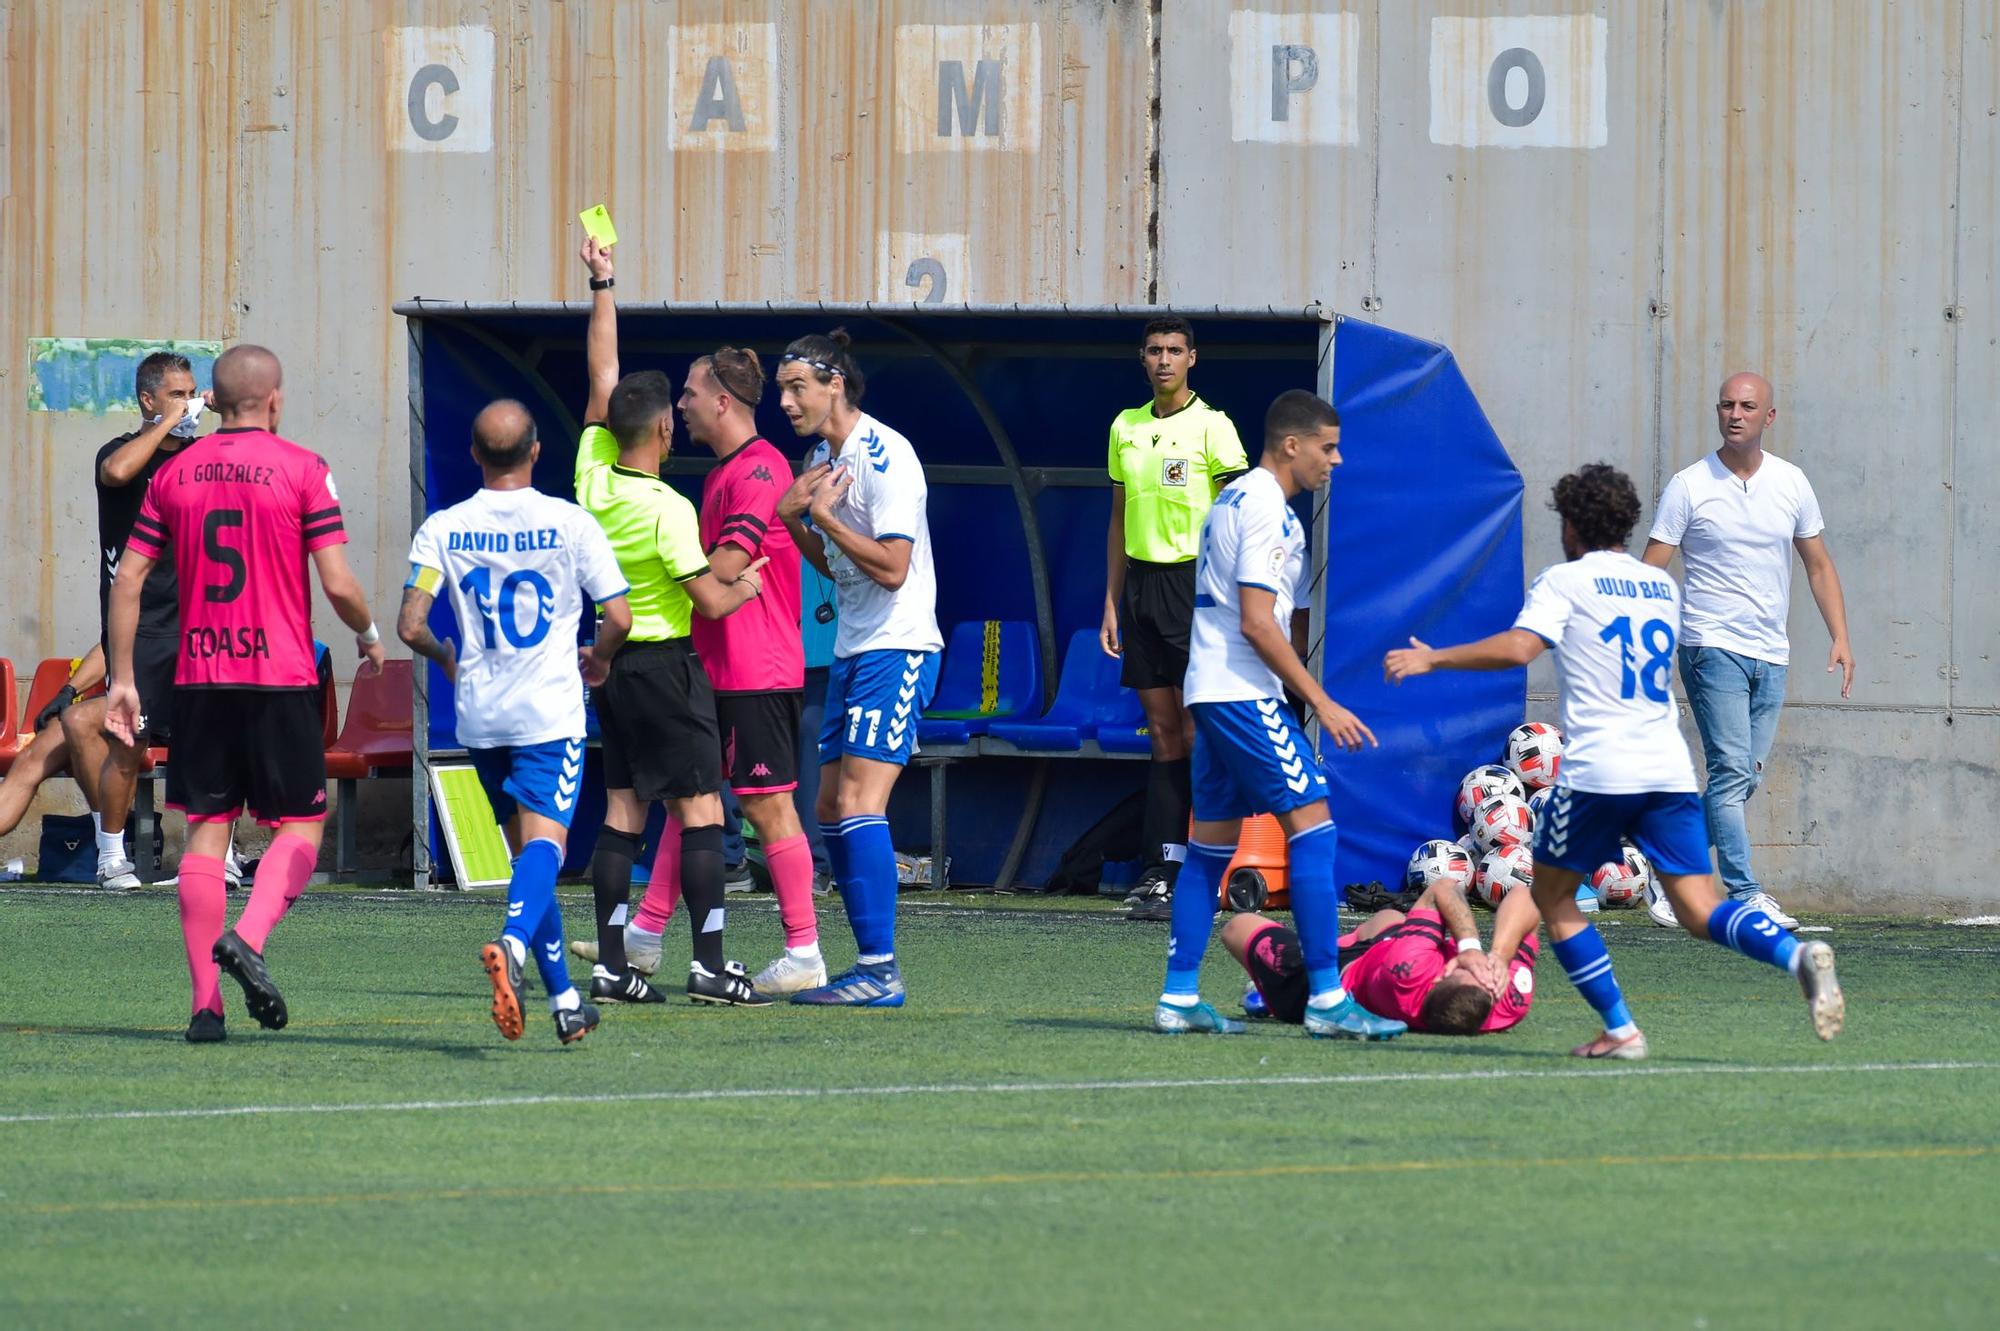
(1168,466)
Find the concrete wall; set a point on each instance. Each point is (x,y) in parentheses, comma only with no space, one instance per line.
(1601,209)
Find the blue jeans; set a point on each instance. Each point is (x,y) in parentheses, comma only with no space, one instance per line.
(805,797)
(1736,700)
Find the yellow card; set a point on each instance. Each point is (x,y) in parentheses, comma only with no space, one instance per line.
(597,223)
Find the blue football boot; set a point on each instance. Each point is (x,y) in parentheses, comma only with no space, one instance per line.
(1175,1019)
(1348,1020)
(875,985)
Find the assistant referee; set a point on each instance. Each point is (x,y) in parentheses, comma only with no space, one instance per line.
(1168,461)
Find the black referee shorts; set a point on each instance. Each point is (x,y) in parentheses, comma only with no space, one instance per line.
(1153,624)
(656,713)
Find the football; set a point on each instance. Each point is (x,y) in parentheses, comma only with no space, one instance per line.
(1492,779)
(1501,820)
(1435,862)
(1534,753)
(1622,883)
(1539,800)
(1510,868)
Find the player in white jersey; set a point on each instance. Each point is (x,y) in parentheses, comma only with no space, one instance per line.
(517,565)
(1251,754)
(859,514)
(1613,623)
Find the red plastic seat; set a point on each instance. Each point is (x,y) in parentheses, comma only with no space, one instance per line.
(10,738)
(379,734)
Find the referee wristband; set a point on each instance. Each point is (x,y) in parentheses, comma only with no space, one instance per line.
(1471,945)
(369,636)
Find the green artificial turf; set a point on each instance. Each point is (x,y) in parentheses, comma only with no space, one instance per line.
(1746,1176)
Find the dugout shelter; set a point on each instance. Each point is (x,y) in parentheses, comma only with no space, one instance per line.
(1010,407)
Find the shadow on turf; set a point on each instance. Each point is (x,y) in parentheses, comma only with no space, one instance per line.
(239,1035)
(1501,1048)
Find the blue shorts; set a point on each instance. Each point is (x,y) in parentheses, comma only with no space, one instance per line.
(541,778)
(873,703)
(1579,830)
(1251,757)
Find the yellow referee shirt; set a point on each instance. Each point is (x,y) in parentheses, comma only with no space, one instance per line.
(653,530)
(1168,466)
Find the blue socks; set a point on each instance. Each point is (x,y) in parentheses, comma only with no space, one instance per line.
(533,917)
(1196,892)
(1753,933)
(864,864)
(1316,904)
(1589,968)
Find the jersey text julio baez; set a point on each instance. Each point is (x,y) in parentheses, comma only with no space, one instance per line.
(889,498)
(653,532)
(1614,623)
(757,649)
(242,510)
(1252,538)
(1168,467)
(517,565)
(117,509)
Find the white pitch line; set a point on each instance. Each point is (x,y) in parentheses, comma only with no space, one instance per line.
(990,1088)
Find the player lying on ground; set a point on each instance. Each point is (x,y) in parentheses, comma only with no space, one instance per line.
(1613,622)
(860,513)
(244,512)
(657,708)
(48,753)
(1427,968)
(517,565)
(1250,755)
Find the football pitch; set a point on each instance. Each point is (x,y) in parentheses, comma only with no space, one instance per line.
(1015,1148)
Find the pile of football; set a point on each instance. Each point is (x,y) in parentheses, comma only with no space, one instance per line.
(1498,805)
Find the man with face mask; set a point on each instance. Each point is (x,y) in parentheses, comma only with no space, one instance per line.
(107,768)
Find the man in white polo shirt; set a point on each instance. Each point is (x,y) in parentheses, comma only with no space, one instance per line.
(1736,516)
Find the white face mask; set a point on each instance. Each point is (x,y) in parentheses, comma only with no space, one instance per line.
(187,426)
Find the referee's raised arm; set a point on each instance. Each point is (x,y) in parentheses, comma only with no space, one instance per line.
(1167,461)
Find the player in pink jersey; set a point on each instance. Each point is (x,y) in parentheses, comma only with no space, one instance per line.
(1426,968)
(756,661)
(243,512)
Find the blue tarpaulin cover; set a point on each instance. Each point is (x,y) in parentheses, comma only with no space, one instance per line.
(1424,540)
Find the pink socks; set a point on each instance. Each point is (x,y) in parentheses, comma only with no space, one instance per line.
(791,864)
(663,887)
(204,901)
(281,875)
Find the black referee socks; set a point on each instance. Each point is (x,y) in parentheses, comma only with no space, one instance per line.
(611,890)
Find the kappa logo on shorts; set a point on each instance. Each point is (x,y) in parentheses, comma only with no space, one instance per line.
(319,797)
(1174,471)
(760,770)
(572,768)
(1290,762)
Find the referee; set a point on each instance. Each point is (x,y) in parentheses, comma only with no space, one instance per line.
(1168,461)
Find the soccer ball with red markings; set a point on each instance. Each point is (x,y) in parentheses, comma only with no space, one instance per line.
(1511,868)
(1439,862)
(1501,820)
(1621,884)
(1534,753)
(1539,800)
(1480,782)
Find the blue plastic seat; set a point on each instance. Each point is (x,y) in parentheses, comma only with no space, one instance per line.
(1088,697)
(992,671)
